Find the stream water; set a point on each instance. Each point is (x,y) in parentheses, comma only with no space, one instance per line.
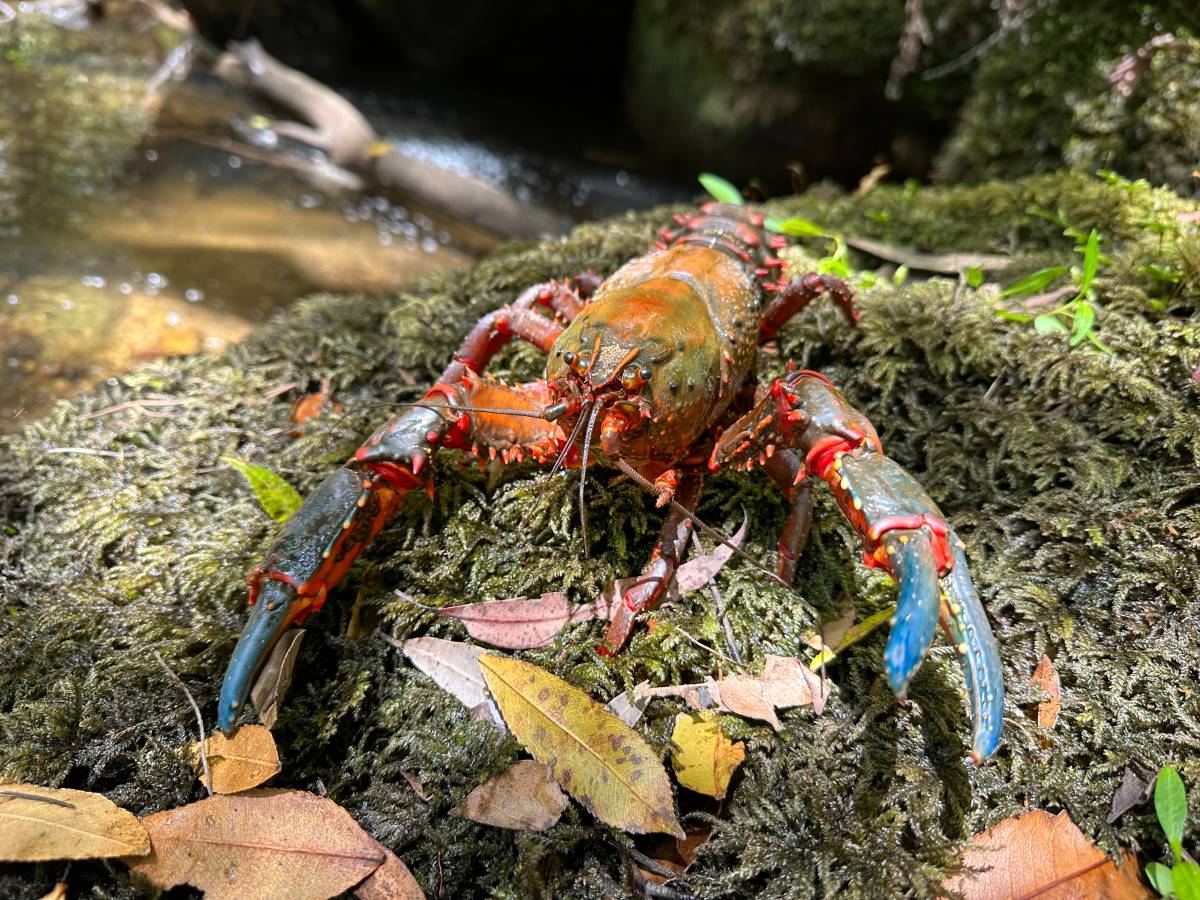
(145,209)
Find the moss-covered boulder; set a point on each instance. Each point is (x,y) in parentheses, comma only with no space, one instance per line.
(1044,80)
(1071,474)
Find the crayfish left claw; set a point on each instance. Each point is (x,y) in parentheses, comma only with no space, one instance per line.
(917,606)
(270,617)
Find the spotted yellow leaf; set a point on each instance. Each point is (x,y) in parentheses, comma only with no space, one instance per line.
(237,763)
(705,759)
(597,758)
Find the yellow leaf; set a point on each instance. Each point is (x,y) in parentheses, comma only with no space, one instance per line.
(38,823)
(240,762)
(596,757)
(391,881)
(706,759)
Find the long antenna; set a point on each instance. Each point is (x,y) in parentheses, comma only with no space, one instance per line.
(587,445)
(644,482)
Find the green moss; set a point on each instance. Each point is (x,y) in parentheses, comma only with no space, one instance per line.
(1073,477)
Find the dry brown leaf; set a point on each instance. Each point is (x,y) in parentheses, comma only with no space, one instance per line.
(276,677)
(699,571)
(525,797)
(391,881)
(1134,790)
(785,682)
(520,623)
(38,824)
(259,845)
(415,783)
(240,762)
(677,854)
(1044,856)
(705,759)
(58,892)
(1045,676)
(596,757)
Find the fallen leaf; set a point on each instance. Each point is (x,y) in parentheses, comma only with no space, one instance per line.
(596,757)
(240,762)
(1134,790)
(1045,676)
(276,676)
(277,498)
(628,707)
(58,892)
(852,636)
(520,623)
(785,682)
(677,854)
(415,783)
(829,634)
(525,797)
(38,824)
(260,844)
(452,665)
(705,759)
(391,881)
(1044,856)
(699,571)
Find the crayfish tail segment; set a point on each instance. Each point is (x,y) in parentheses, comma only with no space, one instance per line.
(312,553)
(917,607)
(966,625)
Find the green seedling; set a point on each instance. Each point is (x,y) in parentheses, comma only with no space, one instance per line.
(1077,317)
(1181,879)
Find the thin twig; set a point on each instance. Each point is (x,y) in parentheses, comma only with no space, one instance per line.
(719,604)
(703,646)
(942,263)
(87,451)
(199,719)
(21,795)
(139,405)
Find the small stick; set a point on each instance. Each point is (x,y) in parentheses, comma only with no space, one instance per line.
(719,603)
(86,451)
(199,719)
(21,795)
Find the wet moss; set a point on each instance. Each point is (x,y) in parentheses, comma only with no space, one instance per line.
(1072,476)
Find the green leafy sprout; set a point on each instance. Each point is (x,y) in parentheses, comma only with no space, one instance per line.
(277,498)
(1181,879)
(1075,318)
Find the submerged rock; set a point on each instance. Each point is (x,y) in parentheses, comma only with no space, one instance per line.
(1071,474)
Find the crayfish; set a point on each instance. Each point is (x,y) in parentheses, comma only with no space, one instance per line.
(652,370)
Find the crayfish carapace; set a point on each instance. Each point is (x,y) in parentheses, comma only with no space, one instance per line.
(653,370)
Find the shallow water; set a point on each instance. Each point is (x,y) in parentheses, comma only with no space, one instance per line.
(145,209)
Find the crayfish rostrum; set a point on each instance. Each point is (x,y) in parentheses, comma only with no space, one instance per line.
(652,370)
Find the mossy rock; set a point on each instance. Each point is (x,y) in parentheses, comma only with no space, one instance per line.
(1072,476)
(1044,80)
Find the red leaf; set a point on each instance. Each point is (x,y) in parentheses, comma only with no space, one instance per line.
(520,623)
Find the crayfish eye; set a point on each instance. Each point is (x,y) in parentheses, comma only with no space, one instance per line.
(645,373)
(569,358)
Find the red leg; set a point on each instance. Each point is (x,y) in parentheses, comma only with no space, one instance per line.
(783,467)
(664,559)
(801,292)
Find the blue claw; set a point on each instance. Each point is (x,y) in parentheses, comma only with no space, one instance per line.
(269,619)
(967,624)
(917,606)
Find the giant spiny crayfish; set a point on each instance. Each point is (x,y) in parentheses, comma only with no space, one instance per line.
(653,369)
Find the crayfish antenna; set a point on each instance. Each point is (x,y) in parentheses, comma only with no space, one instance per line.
(587,445)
